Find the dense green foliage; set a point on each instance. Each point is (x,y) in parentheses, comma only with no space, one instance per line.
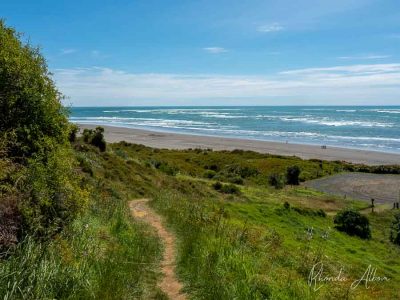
(276,180)
(95,137)
(353,223)
(395,230)
(40,187)
(32,116)
(101,254)
(292,175)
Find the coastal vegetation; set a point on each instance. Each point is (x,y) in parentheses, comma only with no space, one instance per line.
(246,227)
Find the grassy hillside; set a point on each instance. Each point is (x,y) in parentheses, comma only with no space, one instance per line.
(250,245)
(247,244)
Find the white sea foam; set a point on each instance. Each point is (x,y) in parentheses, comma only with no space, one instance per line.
(346,110)
(329,122)
(385,111)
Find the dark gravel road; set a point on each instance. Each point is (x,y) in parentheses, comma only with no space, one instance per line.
(363,186)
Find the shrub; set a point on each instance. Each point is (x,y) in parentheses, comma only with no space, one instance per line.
(395,230)
(167,169)
(242,171)
(235,180)
(212,167)
(217,186)
(226,188)
(30,104)
(353,223)
(98,139)
(10,220)
(286,205)
(95,138)
(230,189)
(73,130)
(163,167)
(46,190)
(292,175)
(87,135)
(209,174)
(276,180)
(53,195)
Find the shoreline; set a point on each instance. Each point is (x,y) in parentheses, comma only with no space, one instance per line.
(180,141)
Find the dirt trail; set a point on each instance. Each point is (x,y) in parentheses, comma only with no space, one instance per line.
(169,284)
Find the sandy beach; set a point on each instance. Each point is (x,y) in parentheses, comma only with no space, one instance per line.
(185,141)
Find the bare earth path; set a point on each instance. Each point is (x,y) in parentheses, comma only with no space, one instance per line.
(169,284)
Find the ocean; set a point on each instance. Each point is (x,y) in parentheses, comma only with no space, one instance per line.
(359,127)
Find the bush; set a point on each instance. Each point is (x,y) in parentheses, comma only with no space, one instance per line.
(230,189)
(276,180)
(53,195)
(95,138)
(212,167)
(235,180)
(46,191)
(10,220)
(73,130)
(286,205)
(395,230)
(242,171)
(167,169)
(217,186)
(30,104)
(353,223)
(226,188)
(292,175)
(209,174)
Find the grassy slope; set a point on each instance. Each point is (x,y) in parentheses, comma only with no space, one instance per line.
(243,246)
(103,254)
(249,246)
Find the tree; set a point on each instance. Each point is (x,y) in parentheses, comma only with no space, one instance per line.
(353,223)
(30,105)
(292,175)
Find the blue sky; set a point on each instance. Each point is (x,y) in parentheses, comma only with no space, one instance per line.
(217,52)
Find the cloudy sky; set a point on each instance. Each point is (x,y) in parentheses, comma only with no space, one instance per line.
(286,52)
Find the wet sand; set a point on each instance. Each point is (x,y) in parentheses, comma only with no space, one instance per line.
(184,141)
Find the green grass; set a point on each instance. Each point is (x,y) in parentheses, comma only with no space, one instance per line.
(103,254)
(257,249)
(244,245)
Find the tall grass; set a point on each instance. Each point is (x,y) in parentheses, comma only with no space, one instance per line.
(103,254)
(227,256)
(221,260)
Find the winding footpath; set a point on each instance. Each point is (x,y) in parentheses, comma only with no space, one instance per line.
(170,284)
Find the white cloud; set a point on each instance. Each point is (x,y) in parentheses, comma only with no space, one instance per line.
(270,27)
(357,84)
(343,70)
(368,56)
(68,51)
(215,50)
